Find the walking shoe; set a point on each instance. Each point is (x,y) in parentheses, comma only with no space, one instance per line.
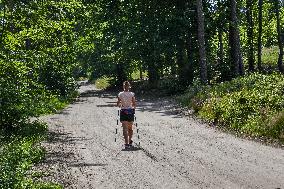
(127,147)
(131,143)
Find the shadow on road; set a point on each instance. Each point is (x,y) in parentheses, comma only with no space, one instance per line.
(57,154)
(55,137)
(107,105)
(87,165)
(98,93)
(163,105)
(134,148)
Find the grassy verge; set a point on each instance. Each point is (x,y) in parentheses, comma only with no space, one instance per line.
(270,56)
(18,153)
(20,147)
(136,75)
(53,103)
(251,105)
(103,82)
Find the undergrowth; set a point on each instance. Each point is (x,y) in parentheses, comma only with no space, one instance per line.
(103,82)
(270,56)
(19,151)
(251,105)
(20,146)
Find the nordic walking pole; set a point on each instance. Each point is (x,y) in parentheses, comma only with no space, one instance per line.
(116,129)
(137,129)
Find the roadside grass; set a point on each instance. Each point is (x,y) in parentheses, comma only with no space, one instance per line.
(270,56)
(20,147)
(53,103)
(19,151)
(166,86)
(103,82)
(269,59)
(251,105)
(136,75)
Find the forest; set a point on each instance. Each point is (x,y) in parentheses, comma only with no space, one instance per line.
(224,56)
(47,45)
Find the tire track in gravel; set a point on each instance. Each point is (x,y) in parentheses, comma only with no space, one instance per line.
(176,152)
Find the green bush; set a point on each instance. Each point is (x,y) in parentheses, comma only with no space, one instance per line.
(164,87)
(170,86)
(21,96)
(249,104)
(193,96)
(270,55)
(15,99)
(275,125)
(18,153)
(103,82)
(16,158)
(57,77)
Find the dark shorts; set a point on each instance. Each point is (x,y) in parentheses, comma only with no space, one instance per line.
(127,115)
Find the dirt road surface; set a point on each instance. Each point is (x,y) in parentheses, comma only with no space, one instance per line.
(176,151)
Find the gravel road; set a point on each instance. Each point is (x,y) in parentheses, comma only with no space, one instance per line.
(175,151)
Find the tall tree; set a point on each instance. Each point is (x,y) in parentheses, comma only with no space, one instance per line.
(234,41)
(259,39)
(180,44)
(221,47)
(280,38)
(249,7)
(3,20)
(201,42)
(189,64)
(190,41)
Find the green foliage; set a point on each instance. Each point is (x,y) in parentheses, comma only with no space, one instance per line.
(250,104)
(17,155)
(170,86)
(275,125)
(136,75)
(15,98)
(57,77)
(164,87)
(21,97)
(270,56)
(46,186)
(103,82)
(115,38)
(38,58)
(192,96)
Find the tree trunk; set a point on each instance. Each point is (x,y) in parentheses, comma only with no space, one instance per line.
(153,73)
(280,39)
(180,44)
(259,40)
(189,65)
(180,60)
(221,47)
(141,71)
(172,65)
(153,70)
(249,8)
(234,41)
(201,42)
(3,24)
(121,75)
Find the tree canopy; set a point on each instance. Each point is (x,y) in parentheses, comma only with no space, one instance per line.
(47,45)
